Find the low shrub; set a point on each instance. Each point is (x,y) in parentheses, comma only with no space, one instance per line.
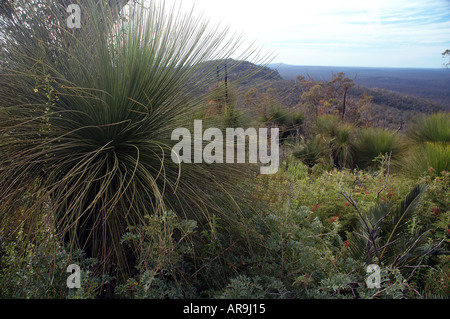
(433,128)
(373,142)
(427,158)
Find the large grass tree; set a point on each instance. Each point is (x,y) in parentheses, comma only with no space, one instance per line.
(86,117)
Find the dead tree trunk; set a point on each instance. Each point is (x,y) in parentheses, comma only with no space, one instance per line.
(344,102)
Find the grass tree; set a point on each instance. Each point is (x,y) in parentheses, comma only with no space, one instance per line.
(86,119)
(430,146)
(434,128)
(372,142)
(313,151)
(340,137)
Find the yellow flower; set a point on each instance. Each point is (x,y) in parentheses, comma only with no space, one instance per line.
(35,90)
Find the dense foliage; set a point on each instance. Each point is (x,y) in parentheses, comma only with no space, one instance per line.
(303,245)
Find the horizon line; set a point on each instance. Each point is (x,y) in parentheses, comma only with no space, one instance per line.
(358,66)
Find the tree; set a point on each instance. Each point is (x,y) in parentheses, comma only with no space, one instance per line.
(337,90)
(303,83)
(364,113)
(314,97)
(222,103)
(446,53)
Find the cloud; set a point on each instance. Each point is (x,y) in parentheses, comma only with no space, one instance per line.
(351,27)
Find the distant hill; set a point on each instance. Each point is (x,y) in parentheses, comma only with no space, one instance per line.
(431,84)
(398,95)
(244,73)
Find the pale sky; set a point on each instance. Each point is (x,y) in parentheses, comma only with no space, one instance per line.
(378,33)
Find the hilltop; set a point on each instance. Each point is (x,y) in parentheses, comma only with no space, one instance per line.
(243,73)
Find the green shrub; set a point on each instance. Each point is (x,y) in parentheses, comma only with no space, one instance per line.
(165,247)
(431,128)
(430,150)
(337,221)
(432,158)
(39,271)
(340,137)
(373,142)
(289,250)
(342,146)
(244,287)
(313,151)
(326,124)
(319,190)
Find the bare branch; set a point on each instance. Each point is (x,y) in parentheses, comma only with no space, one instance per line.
(410,248)
(370,230)
(422,259)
